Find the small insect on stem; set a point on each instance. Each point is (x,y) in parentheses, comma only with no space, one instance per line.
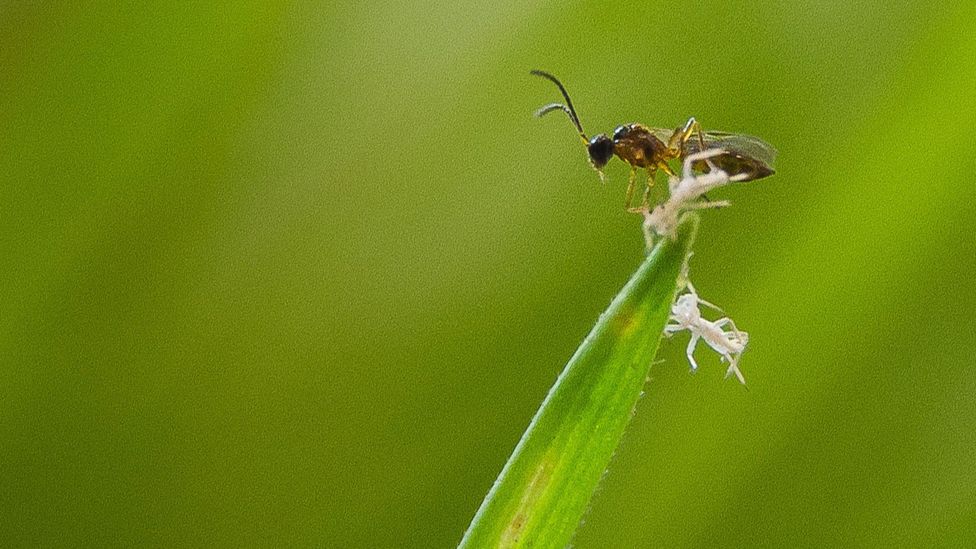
(745,157)
(730,344)
(685,192)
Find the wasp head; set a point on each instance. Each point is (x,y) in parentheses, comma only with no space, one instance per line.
(600,149)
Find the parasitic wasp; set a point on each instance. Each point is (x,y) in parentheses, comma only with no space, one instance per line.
(641,146)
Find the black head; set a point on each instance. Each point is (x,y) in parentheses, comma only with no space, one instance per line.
(600,149)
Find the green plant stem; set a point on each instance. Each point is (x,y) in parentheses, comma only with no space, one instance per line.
(544,489)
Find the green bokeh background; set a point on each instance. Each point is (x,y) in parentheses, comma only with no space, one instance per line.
(300,273)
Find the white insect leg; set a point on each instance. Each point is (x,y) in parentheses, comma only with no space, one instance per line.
(725,320)
(705,205)
(741,337)
(691,351)
(734,369)
(707,304)
(698,157)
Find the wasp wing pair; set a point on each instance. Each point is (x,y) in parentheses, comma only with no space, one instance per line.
(744,154)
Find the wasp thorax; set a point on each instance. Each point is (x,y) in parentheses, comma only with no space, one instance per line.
(620,133)
(600,149)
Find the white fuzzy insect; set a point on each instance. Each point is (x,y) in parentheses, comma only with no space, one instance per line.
(686,315)
(684,195)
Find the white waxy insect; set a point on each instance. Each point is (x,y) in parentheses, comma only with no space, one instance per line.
(685,193)
(686,315)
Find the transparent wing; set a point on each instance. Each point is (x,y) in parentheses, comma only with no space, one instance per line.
(745,145)
(746,153)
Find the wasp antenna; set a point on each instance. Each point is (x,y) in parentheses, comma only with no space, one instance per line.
(546,109)
(567,108)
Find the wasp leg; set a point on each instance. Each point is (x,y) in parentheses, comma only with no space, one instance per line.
(630,188)
(651,172)
(676,143)
(666,169)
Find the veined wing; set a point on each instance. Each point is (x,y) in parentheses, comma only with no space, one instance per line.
(747,154)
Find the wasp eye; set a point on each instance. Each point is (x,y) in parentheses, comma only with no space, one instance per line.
(600,149)
(621,132)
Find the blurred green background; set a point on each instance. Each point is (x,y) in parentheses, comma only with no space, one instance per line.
(300,273)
